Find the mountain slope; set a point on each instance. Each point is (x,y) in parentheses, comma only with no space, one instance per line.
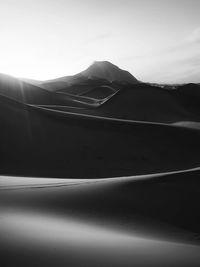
(108,71)
(98,70)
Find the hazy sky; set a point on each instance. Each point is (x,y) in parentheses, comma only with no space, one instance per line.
(156,40)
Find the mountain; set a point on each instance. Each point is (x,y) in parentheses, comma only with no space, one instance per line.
(31,81)
(108,71)
(63,82)
(102,70)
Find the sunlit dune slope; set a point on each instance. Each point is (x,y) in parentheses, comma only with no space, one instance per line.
(149,222)
(24,92)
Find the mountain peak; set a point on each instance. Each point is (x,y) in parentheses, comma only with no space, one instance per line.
(102,63)
(107,70)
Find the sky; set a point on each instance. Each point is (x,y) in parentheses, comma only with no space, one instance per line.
(155,40)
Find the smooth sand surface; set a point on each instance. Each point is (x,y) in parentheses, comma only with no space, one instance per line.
(107,222)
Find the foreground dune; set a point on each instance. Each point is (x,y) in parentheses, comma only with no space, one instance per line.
(133,221)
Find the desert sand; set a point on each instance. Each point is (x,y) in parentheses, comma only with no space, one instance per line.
(127,221)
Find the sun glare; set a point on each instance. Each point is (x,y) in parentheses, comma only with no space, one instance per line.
(25,59)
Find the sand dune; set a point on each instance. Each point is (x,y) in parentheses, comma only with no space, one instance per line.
(23,92)
(120,222)
(26,93)
(141,139)
(135,100)
(127,154)
(147,103)
(140,102)
(40,143)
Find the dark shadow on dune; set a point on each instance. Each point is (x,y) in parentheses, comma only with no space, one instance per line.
(35,143)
